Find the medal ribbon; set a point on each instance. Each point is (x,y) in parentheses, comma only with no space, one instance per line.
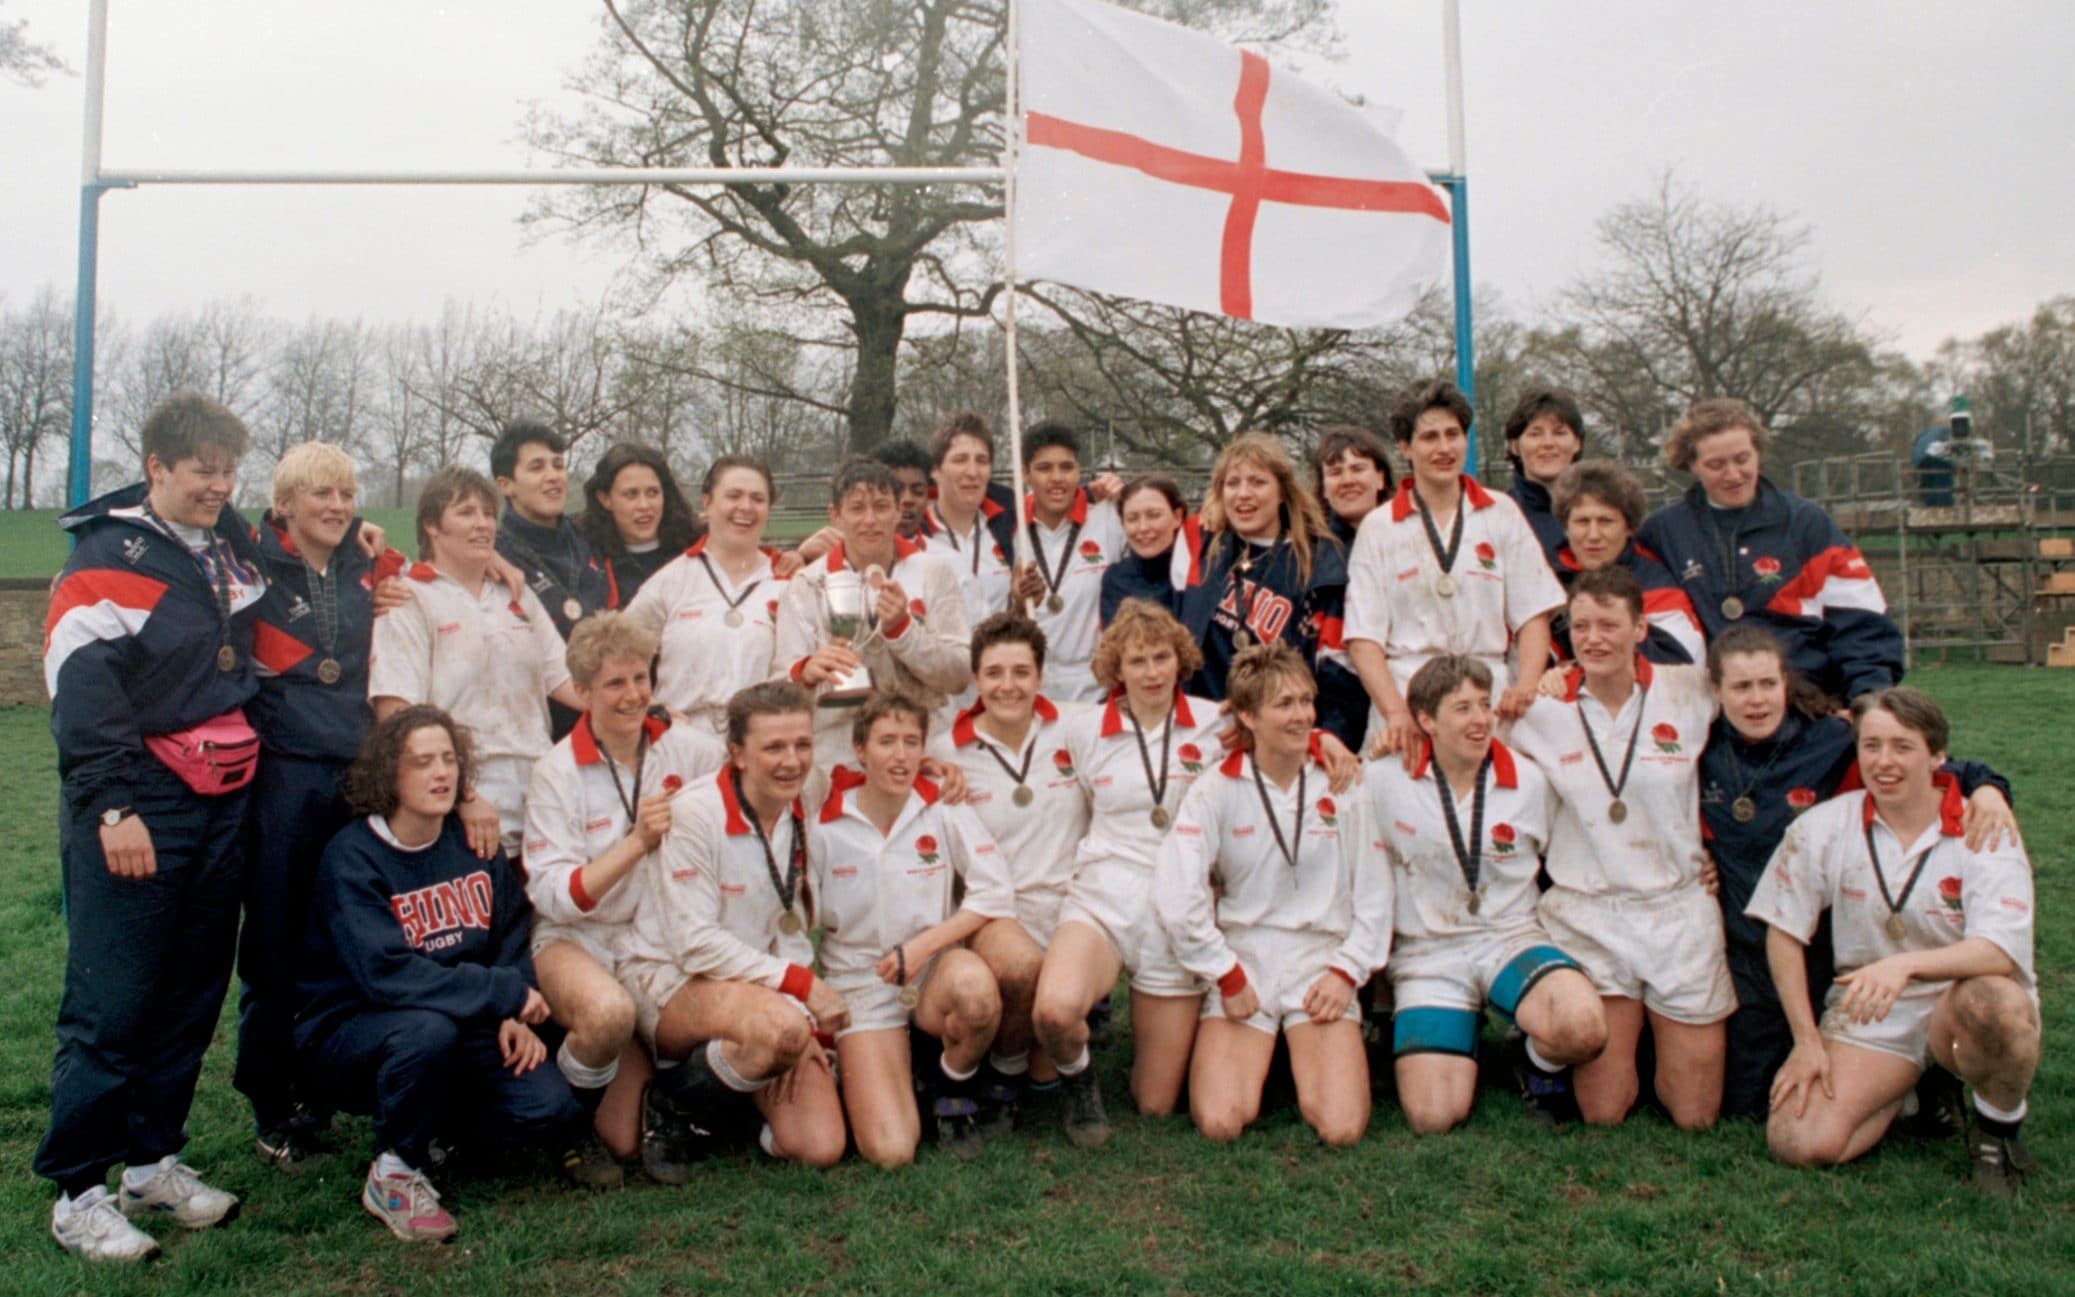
(1274,824)
(1916,871)
(1737,767)
(215,572)
(1145,754)
(1066,554)
(1445,556)
(1634,733)
(630,804)
(1021,776)
(722,590)
(1731,582)
(1468,858)
(787,887)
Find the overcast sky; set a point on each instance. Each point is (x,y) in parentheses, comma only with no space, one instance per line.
(1927,145)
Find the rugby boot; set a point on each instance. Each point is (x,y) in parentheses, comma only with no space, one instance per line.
(589,1164)
(1936,1109)
(1087,1124)
(1999,1163)
(958,1127)
(1546,1095)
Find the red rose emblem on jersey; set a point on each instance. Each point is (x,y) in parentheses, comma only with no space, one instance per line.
(1487,557)
(1503,839)
(926,847)
(1191,758)
(771,607)
(671,783)
(1091,552)
(1666,736)
(1063,762)
(1767,568)
(1801,798)
(1949,892)
(915,609)
(1328,812)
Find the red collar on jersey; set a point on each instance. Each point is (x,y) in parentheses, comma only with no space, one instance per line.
(933,521)
(1113,717)
(1077,513)
(583,745)
(1473,490)
(1574,679)
(698,547)
(1235,765)
(1951,806)
(422,572)
(1503,771)
(902,548)
(962,734)
(842,779)
(738,823)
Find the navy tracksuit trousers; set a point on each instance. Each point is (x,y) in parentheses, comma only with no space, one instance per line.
(147,963)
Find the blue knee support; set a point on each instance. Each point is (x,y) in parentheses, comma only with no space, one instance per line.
(1518,977)
(1434,1031)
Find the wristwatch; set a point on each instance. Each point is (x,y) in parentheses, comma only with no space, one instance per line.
(115,815)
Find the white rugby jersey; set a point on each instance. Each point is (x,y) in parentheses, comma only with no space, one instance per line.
(1658,846)
(1502,582)
(574,815)
(1822,864)
(1037,840)
(1340,885)
(1100,750)
(874,890)
(705,901)
(985,574)
(1432,898)
(486,659)
(702,661)
(1097,537)
(929,659)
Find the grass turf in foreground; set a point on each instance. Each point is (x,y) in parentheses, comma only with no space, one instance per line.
(1497,1207)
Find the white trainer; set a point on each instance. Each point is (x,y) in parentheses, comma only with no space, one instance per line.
(175,1190)
(407,1203)
(92,1228)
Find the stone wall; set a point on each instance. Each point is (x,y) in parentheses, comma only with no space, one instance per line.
(22,602)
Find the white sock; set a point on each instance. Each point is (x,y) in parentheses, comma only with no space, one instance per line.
(388,1164)
(67,1204)
(1535,1056)
(1010,1064)
(717,1059)
(952,1073)
(1075,1065)
(767,1141)
(136,1177)
(1993,1113)
(582,1075)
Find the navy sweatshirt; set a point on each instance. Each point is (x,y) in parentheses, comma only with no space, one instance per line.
(390,928)
(131,642)
(1135,577)
(296,713)
(558,564)
(1533,499)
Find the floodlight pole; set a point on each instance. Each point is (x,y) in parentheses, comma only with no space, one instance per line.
(1457,182)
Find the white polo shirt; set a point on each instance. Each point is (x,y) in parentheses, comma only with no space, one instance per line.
(1502,581)
(1095,535)
(1432,897)
(706,905)
(875,890)
(1821,864)
(702,661)
(985,574)
(574,815)
(1037,840)
(1101,751)
(1657,847)
(1339,886)
(486,659)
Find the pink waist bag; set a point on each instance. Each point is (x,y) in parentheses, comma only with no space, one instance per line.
(216,757)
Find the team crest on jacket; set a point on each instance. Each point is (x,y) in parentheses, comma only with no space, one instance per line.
(1949,892)
(926,847)
(1666,736)
(1487,557)
(134,549)
(1768,569)
(1503,839)
(1091,553)
(1191,758)
(1801,798)
(1328,813)
(1063,762)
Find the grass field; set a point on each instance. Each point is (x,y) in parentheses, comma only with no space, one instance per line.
(1495,1208)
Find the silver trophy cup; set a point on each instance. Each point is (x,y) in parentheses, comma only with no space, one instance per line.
(845,591)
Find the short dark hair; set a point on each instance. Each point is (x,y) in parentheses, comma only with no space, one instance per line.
(441,490)
(726,462)
(1602,480)
(959,423)
(1007,628)
(1914,708)
(1347,439)
(882,705)
(1431,394)
(1613,582)
(1538,401)
(515,437)
(1161,482)
(1255,674)
(1441,676)
(862,471)
(1047,435)
(1749,637)
(371,779)
(180,425)
(768,698)
(905,454)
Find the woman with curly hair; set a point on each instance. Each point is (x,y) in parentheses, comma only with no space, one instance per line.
(635,517)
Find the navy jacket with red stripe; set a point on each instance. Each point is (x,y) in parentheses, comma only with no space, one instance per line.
(1796,573)
(296,713)
(1662,598)
(130,645)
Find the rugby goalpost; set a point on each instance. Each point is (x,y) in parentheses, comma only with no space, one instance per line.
(95,180)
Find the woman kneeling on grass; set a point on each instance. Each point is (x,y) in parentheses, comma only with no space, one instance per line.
(1276,893)
(418,998)
(1934,955)
(882,860)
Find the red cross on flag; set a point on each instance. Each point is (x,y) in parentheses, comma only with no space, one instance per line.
(1163,164)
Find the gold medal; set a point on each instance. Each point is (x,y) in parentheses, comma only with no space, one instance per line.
(1476,901)
(1732,608)
(1023,796)
(734,617)
(1895,929)
(1053,603)
(1743,810)
(1445,587)
(789,923)
(910,997)
(572,609)
(1617,810)
(1242,640)
(328,671)
(226,658)
(1161,819)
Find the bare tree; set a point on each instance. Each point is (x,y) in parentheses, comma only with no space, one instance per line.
(35,387)
(23,61)
(316,388)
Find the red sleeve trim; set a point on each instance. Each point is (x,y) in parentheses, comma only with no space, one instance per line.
(1232,983)
(796,669)
(1343,975)
(798,982)
(896,628)
(584,900)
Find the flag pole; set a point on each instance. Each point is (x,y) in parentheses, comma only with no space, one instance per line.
(1011,155)
(1459,213)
